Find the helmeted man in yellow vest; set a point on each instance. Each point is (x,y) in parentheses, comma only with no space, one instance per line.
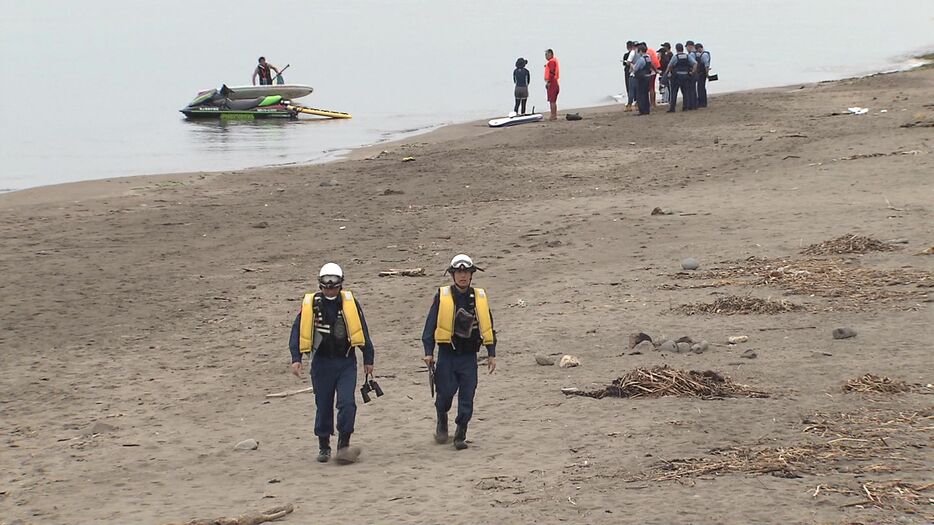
(459,322)
(330,327)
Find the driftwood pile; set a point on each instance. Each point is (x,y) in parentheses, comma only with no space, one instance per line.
(243,519)
(664,381)
(854,287)
(872,384)
(734,305)
(848,244)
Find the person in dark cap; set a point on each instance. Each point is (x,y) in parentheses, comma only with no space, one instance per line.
(521,78)
(703,68)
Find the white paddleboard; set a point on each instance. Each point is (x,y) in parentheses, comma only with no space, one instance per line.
(288,91)
(516,120)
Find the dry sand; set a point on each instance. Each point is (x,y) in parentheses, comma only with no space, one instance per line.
(145,319)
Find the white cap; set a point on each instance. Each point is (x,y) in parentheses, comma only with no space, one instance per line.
(331,269)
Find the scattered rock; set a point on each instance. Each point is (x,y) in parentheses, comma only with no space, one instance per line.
(736,339)
(99,428)
(390,191)
(668,346)
(263,224)
(644,346)
(749,354)
(683,348)
(897,241)
(690,263)
(329,183)
(408,159)
(247,444)
(700,348)
(544,360)
(569,361)
(843,333)
(662,211)
(274,480)
(684,339)
(638,337)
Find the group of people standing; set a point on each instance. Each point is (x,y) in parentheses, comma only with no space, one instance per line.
(686,69)
(330,328)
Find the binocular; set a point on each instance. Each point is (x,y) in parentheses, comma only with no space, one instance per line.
(370,385)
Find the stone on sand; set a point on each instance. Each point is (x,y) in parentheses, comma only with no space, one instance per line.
(247,444)
(569,361)
(644,347)
(668,346)
(544,360)
(690,263)
(683,348)
(843,333)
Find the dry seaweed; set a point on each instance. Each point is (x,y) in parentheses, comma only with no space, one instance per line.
(869,383)
(848,244)
(733,305)
(664,381)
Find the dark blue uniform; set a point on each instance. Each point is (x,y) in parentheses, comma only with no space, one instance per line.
(456,371)
(703,67)
(333,371)
(681,79)
(642,68)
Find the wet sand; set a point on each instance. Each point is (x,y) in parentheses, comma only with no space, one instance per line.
(145,319)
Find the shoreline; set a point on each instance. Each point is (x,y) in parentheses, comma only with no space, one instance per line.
(454,131)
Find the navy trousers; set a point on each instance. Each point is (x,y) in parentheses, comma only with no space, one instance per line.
(677,83)
(456,374)
(642,94)
(702,92)
(689,88)
(330,376)
(630,89)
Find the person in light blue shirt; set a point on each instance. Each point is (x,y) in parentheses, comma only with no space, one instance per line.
(703,68)
(643,69)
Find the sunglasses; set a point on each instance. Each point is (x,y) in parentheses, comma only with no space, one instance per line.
(330,281)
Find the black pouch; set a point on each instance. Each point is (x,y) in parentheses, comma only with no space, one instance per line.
(464,323)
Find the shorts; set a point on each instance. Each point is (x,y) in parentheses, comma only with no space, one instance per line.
(522,92)
(553,90)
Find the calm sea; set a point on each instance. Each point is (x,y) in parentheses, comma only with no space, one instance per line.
(91,89)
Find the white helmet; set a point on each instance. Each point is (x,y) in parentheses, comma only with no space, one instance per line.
(463,262)
(330,274)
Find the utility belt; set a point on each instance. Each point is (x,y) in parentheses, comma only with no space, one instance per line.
(333,354)
(463,347)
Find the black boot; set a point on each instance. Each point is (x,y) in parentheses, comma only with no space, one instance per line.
(345,453)
(441,430)
(324,449)
(460,437)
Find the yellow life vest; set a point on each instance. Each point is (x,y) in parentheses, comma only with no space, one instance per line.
(444,330)
(351,317)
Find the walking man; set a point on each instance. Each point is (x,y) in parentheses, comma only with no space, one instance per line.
(330,327)
(459,322)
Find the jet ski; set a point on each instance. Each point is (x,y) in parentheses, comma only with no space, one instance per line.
(217,104)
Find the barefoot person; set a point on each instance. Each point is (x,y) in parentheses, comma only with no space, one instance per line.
(459,322)
(331,327)
(552,73)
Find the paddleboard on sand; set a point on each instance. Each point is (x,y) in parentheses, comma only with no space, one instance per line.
(515,120)
(288,91)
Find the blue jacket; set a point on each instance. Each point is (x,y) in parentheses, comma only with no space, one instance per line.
(461,300)
(330,315)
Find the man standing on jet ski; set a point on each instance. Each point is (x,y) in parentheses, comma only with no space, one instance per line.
(262,70)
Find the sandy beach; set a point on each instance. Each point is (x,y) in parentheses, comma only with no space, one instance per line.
(145,319)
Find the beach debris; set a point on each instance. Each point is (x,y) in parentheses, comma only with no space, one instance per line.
(99,428)
(736,339)
(843,333)
(926,251)
(663,381)
(637,337)
(520,303)
(329,183)
(749,354)
(403,272)
(856,110)
(735,305)
(390,191)
(261,225)
(895,495)
(870,383)
(700,348)
(408,159)
(848,244)
(544,360)
(573,116)
(662,211)
(288,393)
(690,263)
(273,514)
(850,286)
(568,361)
(644,347)
(569,390)
(247,444)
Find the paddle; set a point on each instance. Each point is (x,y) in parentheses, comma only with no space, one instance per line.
(279,79)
